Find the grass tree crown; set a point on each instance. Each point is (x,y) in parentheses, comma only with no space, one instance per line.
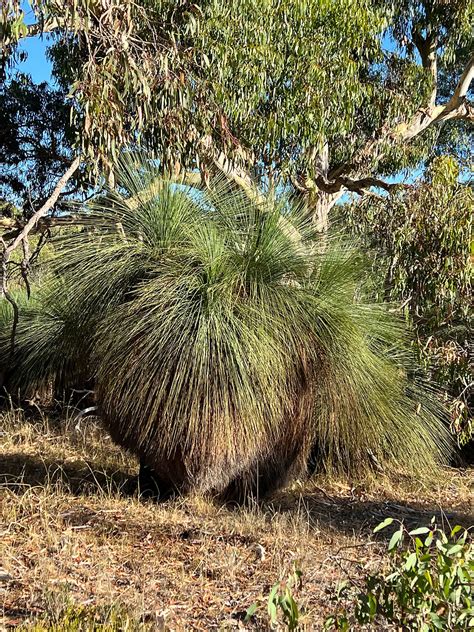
(227,348)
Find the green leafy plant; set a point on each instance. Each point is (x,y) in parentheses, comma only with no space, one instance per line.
(281,602)
(427,585)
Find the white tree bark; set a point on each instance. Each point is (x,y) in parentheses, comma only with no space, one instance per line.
(21,238)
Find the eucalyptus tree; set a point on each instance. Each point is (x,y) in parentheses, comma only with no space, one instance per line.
(336,96)
(326,96)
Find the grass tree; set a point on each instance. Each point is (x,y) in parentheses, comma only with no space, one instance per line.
(225,351)
(50,350)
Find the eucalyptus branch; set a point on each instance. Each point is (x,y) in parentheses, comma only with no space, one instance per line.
(339,184)
(356,185)
(22,238)
(50,202)
(243,180)
(457,108)
(43,225)
(465,81)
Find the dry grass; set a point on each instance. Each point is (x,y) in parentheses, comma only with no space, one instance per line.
(70,538)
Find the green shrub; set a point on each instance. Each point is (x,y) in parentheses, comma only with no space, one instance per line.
(281,603)
(426,586)
(282,599)
(422,240)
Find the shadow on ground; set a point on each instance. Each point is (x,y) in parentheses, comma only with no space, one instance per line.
(350,513)
(355,515)
(20,472)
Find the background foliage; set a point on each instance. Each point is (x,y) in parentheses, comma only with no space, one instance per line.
(422,241)
(35,142)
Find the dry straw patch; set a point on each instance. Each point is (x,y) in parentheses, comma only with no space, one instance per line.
(70,537)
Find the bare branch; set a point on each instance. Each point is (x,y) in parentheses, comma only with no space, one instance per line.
(336,186)
(457,108)
(189,178)
(50,202)
(465,81)
(22,238)
(356,185)
(25,265)
(238,176)
(44,224)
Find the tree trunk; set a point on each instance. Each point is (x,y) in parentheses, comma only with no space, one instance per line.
(322,206)
(320,201)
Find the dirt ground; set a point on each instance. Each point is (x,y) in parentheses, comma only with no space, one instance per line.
(71,538)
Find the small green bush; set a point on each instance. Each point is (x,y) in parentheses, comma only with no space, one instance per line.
(281,599)
(426,586)
(282,606)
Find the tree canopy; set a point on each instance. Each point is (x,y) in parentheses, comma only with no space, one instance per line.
(35,141)
(325,95)
(319,96)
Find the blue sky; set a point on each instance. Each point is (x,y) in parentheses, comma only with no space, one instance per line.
(37,65)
